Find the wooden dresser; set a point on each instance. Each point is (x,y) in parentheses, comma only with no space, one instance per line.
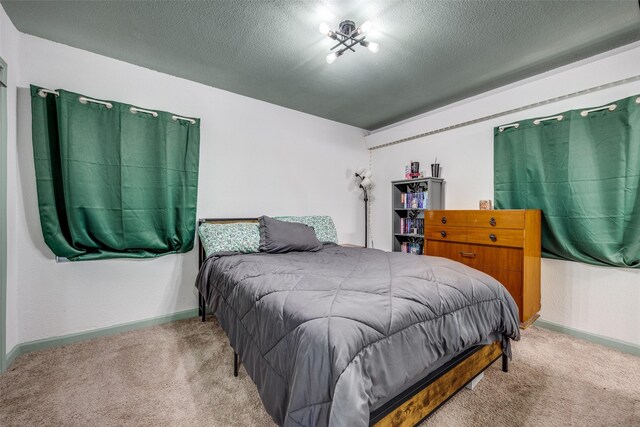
(502,243)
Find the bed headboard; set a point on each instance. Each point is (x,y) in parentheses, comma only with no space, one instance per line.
(201,254)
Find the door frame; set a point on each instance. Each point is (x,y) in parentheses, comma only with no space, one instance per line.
(3,215)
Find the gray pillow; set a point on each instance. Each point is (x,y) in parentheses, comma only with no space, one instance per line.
(278,237)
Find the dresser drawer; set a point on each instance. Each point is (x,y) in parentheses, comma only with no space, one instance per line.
(450,218)
(481,257)
(488,258)
(496,219)
(497,237)
(444,233)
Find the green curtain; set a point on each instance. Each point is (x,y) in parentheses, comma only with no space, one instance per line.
(583,171)
(111,183)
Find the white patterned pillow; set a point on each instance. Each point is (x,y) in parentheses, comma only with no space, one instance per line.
(323,225)
(241,237)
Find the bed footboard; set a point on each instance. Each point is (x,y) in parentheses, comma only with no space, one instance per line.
(418,402)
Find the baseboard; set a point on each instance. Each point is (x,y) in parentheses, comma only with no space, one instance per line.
(11,356)
(42,344)
(623,346)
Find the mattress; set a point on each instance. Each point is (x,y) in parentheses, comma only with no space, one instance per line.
(329,335)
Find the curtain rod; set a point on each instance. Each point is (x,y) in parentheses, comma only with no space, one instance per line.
(134,110)
(513,110)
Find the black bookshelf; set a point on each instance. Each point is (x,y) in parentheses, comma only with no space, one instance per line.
(434,187)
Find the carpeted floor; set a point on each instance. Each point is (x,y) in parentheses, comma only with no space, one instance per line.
(180,374)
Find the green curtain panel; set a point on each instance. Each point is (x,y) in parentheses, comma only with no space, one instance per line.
(583,171)
(113,183)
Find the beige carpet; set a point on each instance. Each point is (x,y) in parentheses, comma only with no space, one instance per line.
(180,374)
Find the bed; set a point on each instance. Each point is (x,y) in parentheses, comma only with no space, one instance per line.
(352,336)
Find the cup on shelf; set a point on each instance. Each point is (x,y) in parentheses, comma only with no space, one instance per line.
(435,170)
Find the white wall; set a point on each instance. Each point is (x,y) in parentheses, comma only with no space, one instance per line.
(603,301)
(9,43)
(255,158)
(259,158)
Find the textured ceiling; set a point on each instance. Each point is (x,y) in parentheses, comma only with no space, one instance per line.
(431,52)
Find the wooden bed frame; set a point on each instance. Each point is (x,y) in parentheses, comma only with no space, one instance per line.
(416,403)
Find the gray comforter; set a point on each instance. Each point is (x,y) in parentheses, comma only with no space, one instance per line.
(328,335)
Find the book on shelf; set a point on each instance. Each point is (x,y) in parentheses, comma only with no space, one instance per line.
(411,225)
(415,200)
(411,248)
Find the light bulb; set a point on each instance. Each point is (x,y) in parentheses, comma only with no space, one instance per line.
(331,57)
(373,47)
(366,26)
(324,29)
(360,171)
(366,182)
(367,173)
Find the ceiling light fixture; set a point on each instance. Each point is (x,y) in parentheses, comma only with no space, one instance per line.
(347,37)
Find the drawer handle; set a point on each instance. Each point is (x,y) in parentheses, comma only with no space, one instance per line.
(444,220)
(493,237)
(492,222)
(443,233)
(468,254)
